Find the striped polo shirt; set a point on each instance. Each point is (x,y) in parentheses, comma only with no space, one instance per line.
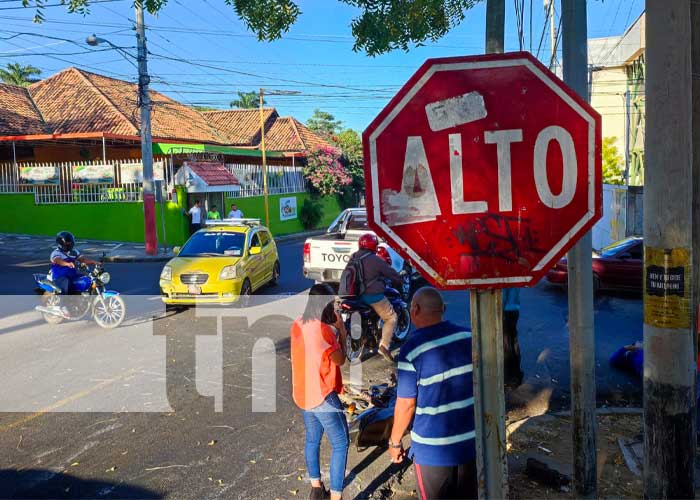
(435,367)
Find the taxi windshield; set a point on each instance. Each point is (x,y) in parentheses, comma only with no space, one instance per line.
(214,244)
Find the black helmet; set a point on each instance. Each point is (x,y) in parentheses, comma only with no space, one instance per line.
(65,241)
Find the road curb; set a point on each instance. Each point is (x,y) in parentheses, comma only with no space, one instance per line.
(124,259)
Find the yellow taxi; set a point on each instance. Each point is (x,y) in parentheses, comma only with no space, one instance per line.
(221,263)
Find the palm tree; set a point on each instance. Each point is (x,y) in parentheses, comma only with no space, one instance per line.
(16,74)
(247,100)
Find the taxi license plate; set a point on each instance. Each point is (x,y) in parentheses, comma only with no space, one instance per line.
(194,289)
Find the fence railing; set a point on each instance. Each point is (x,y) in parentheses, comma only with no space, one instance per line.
(114,181)
(280,179)
(108,181)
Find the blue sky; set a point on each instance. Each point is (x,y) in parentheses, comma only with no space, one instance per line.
(202,54)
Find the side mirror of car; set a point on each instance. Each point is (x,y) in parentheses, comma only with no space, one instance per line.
(176,250)
(255,250)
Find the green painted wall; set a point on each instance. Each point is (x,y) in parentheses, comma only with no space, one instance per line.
(124,221)
(100,221)
(255,208)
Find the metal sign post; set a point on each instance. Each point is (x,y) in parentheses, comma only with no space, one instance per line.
(489,394)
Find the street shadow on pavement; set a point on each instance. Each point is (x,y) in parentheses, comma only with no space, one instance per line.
(43,484)
(381,485)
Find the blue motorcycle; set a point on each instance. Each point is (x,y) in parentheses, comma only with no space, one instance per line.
(363,325)
(89,297)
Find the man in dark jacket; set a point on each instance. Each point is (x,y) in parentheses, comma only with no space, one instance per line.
(376,271)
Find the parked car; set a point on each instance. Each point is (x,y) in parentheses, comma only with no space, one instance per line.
(220,264)
(615,267)
(325,256)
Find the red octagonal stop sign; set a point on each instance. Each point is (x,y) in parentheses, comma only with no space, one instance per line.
(483,171)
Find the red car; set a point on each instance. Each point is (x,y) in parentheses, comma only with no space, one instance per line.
(615,267)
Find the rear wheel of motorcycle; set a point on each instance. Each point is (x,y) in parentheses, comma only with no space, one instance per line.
(51,300)
(403,324)
(110,312)
(354,349)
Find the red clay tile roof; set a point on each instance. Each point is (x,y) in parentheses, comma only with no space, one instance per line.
(240,127)
(214,174)
(74,101)
(18,115)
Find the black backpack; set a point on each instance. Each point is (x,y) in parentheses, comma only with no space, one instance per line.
(352,281)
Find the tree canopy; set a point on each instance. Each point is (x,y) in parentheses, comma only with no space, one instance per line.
(382,26)
(247,100)
(324,124)
(18,74)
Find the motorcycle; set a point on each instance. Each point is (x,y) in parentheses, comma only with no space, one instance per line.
(363,325)
(91,297)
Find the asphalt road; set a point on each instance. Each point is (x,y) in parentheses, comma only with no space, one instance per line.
(195,406)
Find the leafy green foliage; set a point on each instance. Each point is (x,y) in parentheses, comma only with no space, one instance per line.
(324,124)
(310,213)
(247,100)
(268,19)
(83,7)
(350,143)
(382,26)
(386,25)
(18,74)
(613,163)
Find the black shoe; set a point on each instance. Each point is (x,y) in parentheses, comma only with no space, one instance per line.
(319,493)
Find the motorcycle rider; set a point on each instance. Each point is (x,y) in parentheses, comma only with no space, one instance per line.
(376,271)
(63,262)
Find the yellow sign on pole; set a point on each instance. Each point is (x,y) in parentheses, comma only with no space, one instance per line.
(667,287)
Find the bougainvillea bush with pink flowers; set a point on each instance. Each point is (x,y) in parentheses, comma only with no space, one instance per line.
(325,173)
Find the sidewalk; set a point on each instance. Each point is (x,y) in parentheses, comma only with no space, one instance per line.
(39,247)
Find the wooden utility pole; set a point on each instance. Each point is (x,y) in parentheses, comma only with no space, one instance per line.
(487,342)
(669,347)
(581,330)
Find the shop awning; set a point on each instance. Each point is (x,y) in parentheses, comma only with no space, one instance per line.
(160,148)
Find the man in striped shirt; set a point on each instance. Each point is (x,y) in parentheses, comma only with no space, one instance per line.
(435,386)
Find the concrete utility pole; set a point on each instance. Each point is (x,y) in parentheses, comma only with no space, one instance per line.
(695,265)
(581,331)
(264,157)
(487,343)
(149,199)
(669,347)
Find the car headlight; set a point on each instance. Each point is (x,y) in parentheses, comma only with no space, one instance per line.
(167,273)
(104,278)
(229,273)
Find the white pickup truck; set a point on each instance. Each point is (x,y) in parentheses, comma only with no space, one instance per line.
(325,256)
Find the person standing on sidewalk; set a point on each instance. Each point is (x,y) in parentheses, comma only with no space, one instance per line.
(317,353)
(195,214)
(435,391)
(511,347)
(234,213)
(213,214)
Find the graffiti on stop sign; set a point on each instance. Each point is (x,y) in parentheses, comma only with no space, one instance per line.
(483,171)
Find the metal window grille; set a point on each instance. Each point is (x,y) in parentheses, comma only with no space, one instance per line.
(280,179)
(66,190)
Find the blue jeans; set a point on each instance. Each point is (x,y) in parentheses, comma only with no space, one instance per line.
(329,417)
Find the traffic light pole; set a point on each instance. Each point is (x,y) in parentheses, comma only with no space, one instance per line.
(669,347)
(581,331)
(149,199)
(487,343)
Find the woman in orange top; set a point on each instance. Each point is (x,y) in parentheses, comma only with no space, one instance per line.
(317,355)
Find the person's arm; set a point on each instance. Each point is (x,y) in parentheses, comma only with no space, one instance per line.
(404,411)
(392,275)
(86,261)
(63,263)
(338,356)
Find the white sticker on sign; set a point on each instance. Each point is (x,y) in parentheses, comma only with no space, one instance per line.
(455,111)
